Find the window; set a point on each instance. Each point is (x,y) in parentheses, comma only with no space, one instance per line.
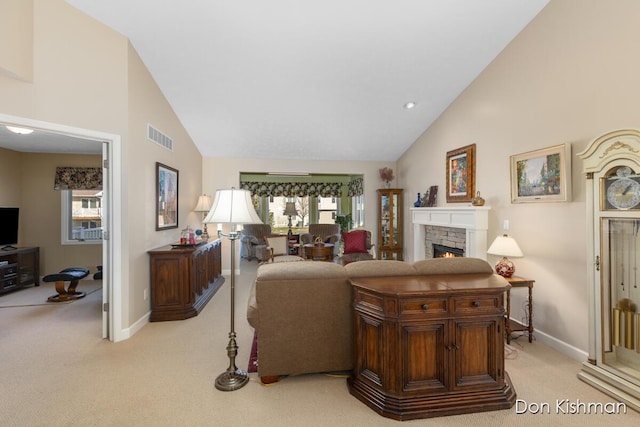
(328,208)
(81,217)
(357,209)
(280,222)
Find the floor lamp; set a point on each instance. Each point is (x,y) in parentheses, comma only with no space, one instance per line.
(232,207)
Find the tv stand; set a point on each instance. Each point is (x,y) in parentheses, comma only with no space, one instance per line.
(19,267)
(9,248)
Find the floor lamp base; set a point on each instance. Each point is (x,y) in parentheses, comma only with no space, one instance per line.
(232,380)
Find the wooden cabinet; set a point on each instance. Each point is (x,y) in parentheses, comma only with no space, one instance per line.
(390,223)
(183,280)
(430,346)
(18,268)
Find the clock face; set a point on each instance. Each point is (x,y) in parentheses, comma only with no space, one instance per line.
(623,192)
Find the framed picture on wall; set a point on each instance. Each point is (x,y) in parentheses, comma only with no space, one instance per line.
(166,197)
(461,174)
(542,175)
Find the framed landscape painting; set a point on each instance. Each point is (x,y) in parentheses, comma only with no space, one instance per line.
(166,197)
(461,174)
(542,175)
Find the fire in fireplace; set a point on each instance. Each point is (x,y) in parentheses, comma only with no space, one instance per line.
(441,251)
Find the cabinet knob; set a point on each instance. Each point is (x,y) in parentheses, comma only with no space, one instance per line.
(476,304)
(425,307)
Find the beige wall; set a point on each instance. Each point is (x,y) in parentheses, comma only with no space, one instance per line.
(87,76)
(221,173)
(10,171)
(569,77)
(16,25)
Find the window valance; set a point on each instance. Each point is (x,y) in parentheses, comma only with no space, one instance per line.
(75,178)
(293,189)
(355,187)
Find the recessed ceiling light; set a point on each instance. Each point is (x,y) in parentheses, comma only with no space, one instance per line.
(18,130)
(409,105)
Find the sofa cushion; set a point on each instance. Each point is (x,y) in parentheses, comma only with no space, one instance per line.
(355,242)
(373,268)
(458,265)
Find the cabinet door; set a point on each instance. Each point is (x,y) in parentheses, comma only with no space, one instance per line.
(28,267)
(425,357)
(478,352)
(370,346)
(170,279)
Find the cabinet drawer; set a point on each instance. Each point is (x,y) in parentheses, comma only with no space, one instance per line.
(478,304)
(424,307)
(9,282)
(9,270)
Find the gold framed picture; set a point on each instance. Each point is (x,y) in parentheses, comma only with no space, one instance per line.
(541,175)
(461,174)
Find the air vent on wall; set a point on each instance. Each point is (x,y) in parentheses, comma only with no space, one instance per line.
(159,138)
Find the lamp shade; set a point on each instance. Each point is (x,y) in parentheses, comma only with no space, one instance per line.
(232,207)
(290,209)
(204,204)
(505,246)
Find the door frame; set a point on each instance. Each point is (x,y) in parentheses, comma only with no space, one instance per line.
(112,248)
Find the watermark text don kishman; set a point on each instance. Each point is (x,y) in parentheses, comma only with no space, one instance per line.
(570,407)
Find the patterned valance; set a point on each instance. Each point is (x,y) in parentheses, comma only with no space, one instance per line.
(293,189)
(356,187)
(73,178)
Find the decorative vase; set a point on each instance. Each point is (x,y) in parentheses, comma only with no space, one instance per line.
(418,202)
(477,201)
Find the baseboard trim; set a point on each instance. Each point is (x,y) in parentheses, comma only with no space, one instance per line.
(133,329)
(560,346)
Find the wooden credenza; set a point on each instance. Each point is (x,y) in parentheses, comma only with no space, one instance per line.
(183,280)
(18,268)
(430,346)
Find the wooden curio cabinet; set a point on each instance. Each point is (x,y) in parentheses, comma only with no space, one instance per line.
(612,167)
(183,280)
(390,223)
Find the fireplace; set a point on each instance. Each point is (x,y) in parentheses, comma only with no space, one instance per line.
(471,221)
(441,251)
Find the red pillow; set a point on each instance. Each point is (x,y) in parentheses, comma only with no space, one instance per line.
(355,242)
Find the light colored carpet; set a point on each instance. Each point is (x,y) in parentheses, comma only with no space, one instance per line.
(56,371)
(37,295)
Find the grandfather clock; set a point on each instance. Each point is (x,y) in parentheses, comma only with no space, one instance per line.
(612,167)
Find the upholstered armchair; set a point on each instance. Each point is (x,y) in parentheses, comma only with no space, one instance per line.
(357,246)
(278,249)
(328,233)
(253,240)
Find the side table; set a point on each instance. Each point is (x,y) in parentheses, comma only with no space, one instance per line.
(511,325)
(323,252)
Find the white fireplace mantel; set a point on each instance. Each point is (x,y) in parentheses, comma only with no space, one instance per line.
(475,220)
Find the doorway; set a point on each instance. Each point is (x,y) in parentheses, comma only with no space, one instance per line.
(110,147)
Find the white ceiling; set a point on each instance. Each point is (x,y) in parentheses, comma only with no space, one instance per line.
(312,80)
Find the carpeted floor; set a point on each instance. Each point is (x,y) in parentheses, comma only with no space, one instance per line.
(37,295)
(57,371)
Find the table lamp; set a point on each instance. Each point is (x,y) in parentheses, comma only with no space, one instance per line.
(232,207)
(290,210)
(204,205)
(505,246)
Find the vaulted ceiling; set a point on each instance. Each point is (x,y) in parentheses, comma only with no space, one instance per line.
(326,80)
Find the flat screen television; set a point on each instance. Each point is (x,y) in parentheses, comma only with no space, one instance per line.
(9,227)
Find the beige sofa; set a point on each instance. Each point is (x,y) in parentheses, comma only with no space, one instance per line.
(302,312)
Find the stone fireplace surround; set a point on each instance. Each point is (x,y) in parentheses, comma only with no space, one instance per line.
(473,220)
